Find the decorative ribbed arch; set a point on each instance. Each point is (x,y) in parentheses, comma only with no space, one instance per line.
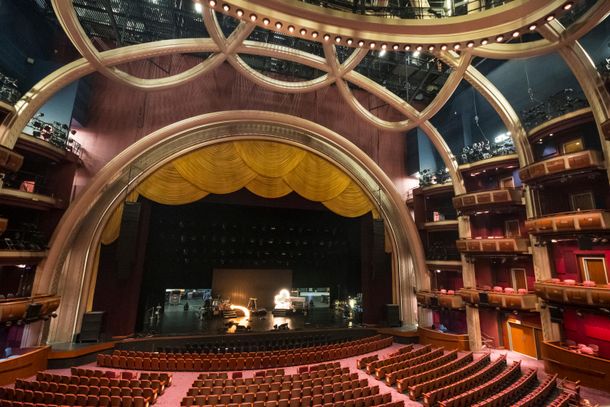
(266,168)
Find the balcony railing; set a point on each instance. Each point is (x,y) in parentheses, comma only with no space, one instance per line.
(448,299)
(28,309)
(586,159)
(494,197)
(500,299)
(596,219)
(570,292)
(499,245)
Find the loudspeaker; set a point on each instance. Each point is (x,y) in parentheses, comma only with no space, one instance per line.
(32,312)
(380,257)
(91,328)
(392,314)
(128,239)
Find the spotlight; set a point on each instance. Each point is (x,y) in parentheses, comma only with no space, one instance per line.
(303,31)
(226,7)
(314,34)
(266,21)
(212,3)
(360,43)
(278,25)
(515,34)
(533,27)
(253,17)
(550,17)
(456,46)
(337,39)
(291,28)
(499,38)
(326,37)
(568,6)
(349,41)
(198,7)
(444,47)
(239,12)
(484,41)
(384,46)
(470,44)
(407,47)
(372,45)
(431,48)
(395,47)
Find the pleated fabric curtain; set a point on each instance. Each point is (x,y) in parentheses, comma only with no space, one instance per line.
(267,169)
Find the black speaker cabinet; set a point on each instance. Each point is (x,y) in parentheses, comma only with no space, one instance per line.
(92,326)
(392,313)
(128,239)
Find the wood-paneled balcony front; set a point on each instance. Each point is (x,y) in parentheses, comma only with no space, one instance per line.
(29,308)
(581,160)
(444,299)
(501,299)
(570,292)
(496,245)
(495,197)
(595,219)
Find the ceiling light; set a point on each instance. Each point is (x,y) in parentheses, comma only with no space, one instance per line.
(456,46)
(431,48)
(484,41)
(384,46)
(349,41)
(278,25)
(226,7)
(266,21)
(515,34)
(291,28)
(314,34)
(198,7)
(533,27)
(568,6)
(407,47)
(500,38)
(418,48)
(444,47)
(303,31)
(239,12)
(337,39)
(395,47)
(212,3)
(470,44)
(253,17)
(360,43)
(326,37)
(372,45)
(550,17)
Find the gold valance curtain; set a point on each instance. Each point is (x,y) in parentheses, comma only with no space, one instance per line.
(268,169)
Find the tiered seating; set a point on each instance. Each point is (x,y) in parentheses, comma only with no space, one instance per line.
(467,383)
(86,388)
(442,375)
(539,394)
(512,393)
(323,384)
(409,367)
(240,361)
(404,374)
(375,364)
(401,351)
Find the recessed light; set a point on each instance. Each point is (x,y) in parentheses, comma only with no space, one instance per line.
(384,46)
(291,28)
(395,47)
(212,3)
(456,46)
(372,45)
(360,43)
(337,39)
(515,34)
(349,41)
(314,34)
(500,38)
(407,47)
(568,6)
(550,17)
(278,25)
(266,21)
(470,44)
(444,47)
(253,17)
(533,27)
(484,41)
(303,31)
(226,7)
(431,48)
(239,12)
(419,48)
(326,37)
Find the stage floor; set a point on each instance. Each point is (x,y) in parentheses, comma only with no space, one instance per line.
(176,321)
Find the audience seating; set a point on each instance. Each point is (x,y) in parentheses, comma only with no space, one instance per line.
(401,370)
(512,393)
(371,366)
(239,361)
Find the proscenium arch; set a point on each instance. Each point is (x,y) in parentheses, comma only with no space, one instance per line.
(68,269)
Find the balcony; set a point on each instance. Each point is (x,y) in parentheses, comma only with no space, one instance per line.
(589,370)
(581,160)
(46,149)
(499,245)
(32,200)
(21,256)
(503,161)
(499,299)
(570,292)
(436,189)
(596,219)
(485,199)
(28,309)
(447,299)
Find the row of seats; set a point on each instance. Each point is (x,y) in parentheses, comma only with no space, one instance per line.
(189,362)
(147,392)
(443,375)
(376,400)
(467,383)
(39,399)
(378,363)
(512,393)
(254,346)
(58,383)
(276,385)
(393,373)
(539,394)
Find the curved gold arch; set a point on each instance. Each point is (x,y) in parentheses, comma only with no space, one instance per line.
(68,269)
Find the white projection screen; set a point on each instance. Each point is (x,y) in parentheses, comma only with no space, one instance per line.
(242,284)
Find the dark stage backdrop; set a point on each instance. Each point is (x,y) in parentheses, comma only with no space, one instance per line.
(241,284)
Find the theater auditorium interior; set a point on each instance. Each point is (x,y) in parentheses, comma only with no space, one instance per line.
(295,203)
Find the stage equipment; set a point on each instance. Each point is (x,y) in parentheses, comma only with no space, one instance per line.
(245,310)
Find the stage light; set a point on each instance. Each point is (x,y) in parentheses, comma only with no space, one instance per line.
(395,47)
(484,41)
(550,17)
(282,300)
(245,310)
(568,6)
(291,28)
(212,3)
(456,46)
(500,38)
(266,21)
(278,25)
